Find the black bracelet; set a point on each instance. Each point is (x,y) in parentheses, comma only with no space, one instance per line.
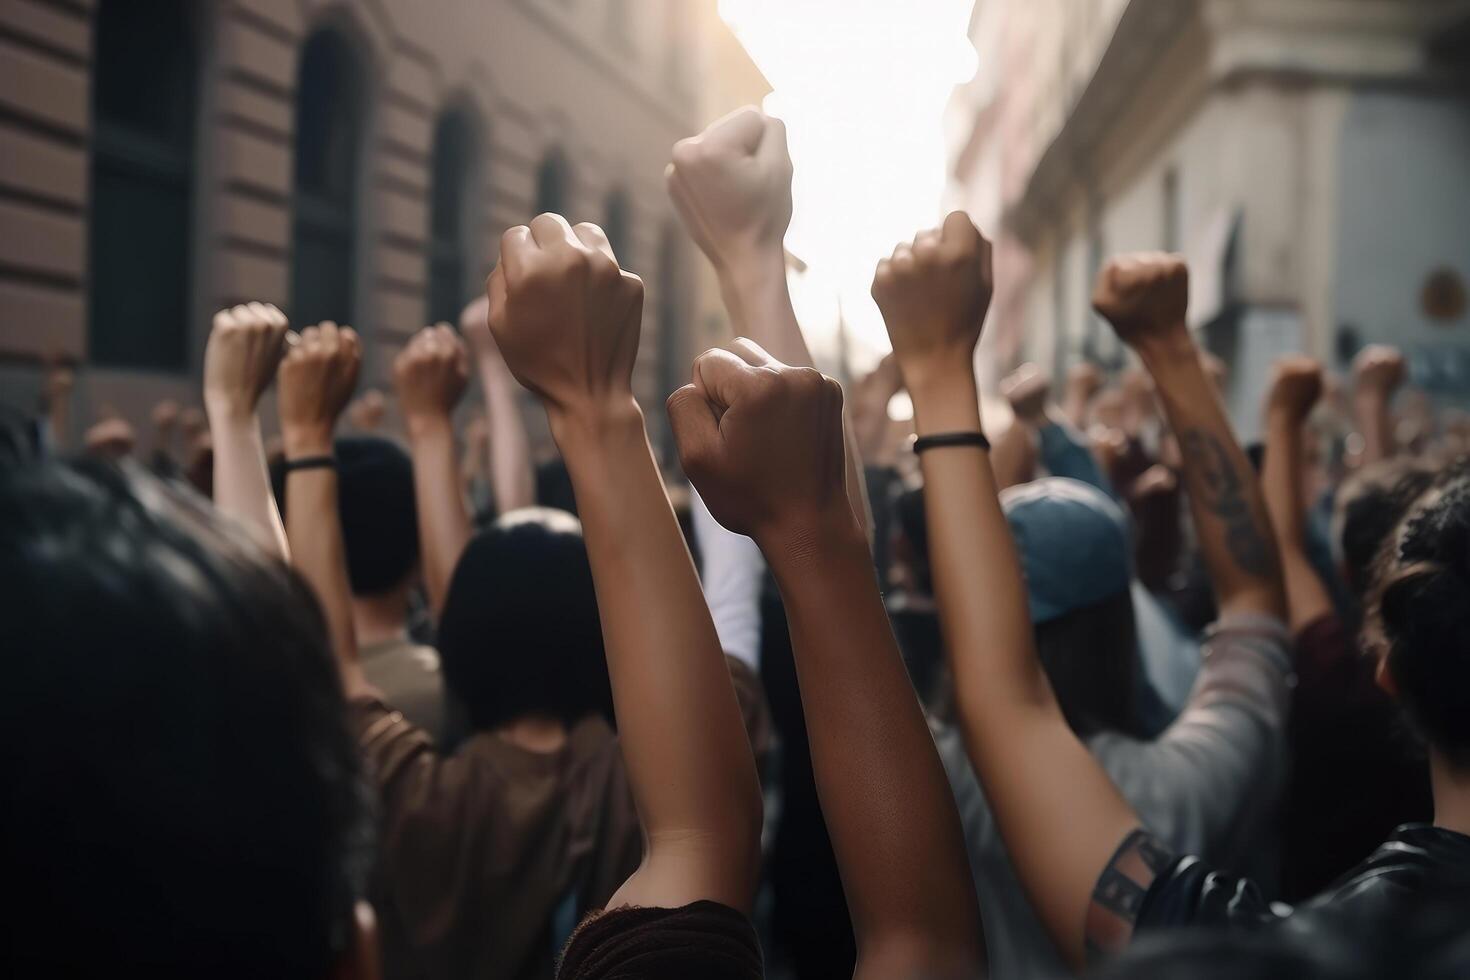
(942,440)
(310,463)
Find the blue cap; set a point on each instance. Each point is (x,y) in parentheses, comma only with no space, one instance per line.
(1074,544)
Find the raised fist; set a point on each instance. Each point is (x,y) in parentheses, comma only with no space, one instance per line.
(430,374)
(1295,387)
(367,410)
(732,186)
(565,317)
(318,376)
(1027,389)
(1145,297)
(934,295)
(165,417)
(245,348)
(1378,370)
(762,442)
(113,438)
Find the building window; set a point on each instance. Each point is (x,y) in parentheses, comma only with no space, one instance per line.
(329,124)
(617,223)
(1173,232)
(143,106)
(451,215)
(553,183)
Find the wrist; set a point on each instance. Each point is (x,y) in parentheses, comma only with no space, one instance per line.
(306,439)
(800,541)
(428,425)
(228,413)
(949,404)
(1166,347)
(592,427)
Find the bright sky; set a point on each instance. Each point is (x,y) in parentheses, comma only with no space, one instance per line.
(862,86)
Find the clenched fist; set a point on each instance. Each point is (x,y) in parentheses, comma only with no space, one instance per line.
(934,295)
(565,317)
(1145,298)
(245,347)
(1027,389)
(762,442)
(430,374)
(317,379)
(1378,370)
(1295,387)
(732,186)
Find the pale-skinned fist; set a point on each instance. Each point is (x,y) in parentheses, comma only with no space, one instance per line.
(1027,388)
(565,317)
(1084,381)
(762,443)
(245,347)
(732,187)
(430,374)
(1296,385)
(317,378)
(1379,370)
(1145,297)
(934,294)
(367,411)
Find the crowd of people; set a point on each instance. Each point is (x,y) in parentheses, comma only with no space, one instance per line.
(1092,687)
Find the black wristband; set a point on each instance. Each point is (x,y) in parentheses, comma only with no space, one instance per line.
(942,440)
(310,463)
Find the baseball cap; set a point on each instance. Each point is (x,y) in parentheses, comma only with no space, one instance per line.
(1074,545)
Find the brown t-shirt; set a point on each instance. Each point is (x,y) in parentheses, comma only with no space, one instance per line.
(481,850)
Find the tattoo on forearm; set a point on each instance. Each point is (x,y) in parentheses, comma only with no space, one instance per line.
(1223,491)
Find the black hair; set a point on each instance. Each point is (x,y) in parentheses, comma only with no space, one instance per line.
(1421,613)
(1369,507)
(375,498)
(1090,655)
(520,633)
(183,792)
(913,524)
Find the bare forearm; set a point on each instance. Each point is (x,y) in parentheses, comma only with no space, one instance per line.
(511,476)
(242,486)
(1281,482)
(1224,495)
(1375,424)
(444,523)
(689,759)
(875,763)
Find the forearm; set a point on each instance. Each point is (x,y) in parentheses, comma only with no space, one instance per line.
(1037,775)
(688,756)
(444,523)
(242,486)
(314,528)
(1224,495)
(1375,424)
(875,764)
(1281,483)
(512,479)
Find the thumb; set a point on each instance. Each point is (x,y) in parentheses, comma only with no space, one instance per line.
(696,432)
(722,376)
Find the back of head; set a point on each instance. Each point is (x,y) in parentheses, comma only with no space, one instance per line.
(1369,506)
(1420,614)
(183,795)
(520,633)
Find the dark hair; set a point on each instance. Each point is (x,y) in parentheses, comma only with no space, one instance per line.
(913,524)
(1369,507)
(375,498)
(520,632)
(1421,613)
(183,794)
(1090,655)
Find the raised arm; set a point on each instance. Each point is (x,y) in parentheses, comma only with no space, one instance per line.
(245,347)
(1294,390)
(1060,816)
(1378,371)
(763,444)
(430,375)
(512,478)
(317,378)
(732,187)
(1145,297)
(567,319)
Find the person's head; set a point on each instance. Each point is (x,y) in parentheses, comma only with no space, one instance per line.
(183,793)
(1369,506)
(520,635)
(1074,546)
(1419,616)
(375,498)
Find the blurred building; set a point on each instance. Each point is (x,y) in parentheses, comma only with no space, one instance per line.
(1308,156)
(353,160)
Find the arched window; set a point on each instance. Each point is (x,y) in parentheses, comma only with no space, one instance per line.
(143,110)
(553,184)
(329,122)
(617,222)
(451,219)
